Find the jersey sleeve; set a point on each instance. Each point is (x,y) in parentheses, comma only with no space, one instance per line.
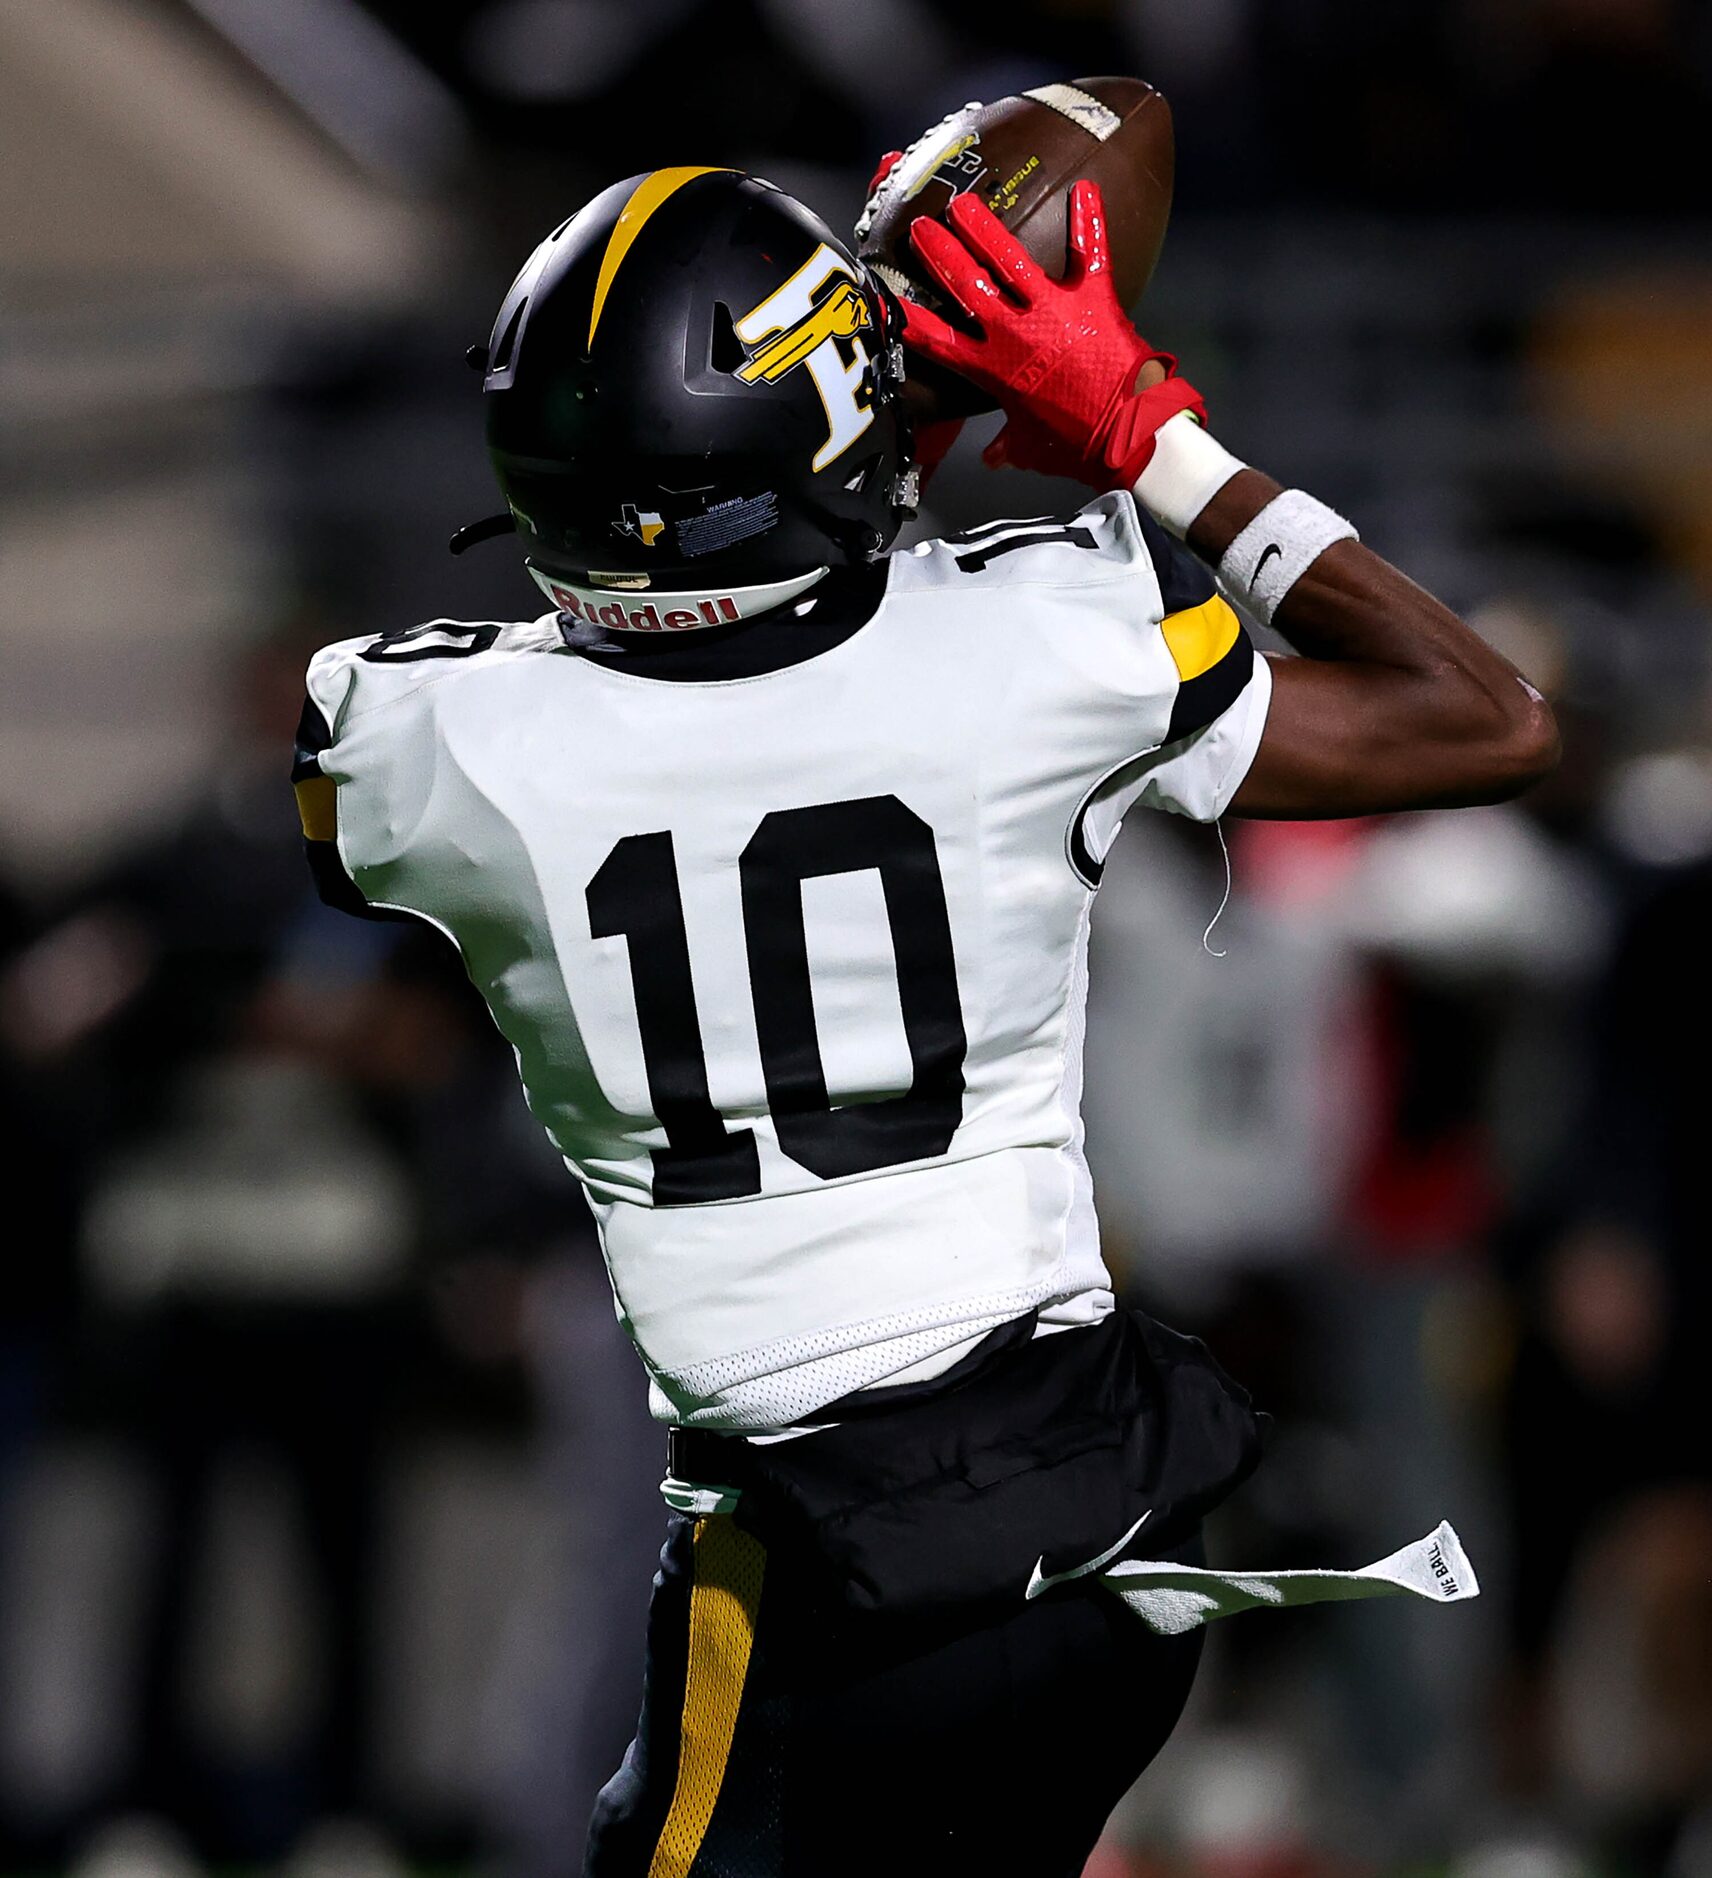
(317,798)
(1212,655)
(1144,684)
(1222,689)
(367,744)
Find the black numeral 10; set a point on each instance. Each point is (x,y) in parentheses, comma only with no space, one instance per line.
(635,894)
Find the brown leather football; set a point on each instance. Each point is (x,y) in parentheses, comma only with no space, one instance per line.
(1022,154)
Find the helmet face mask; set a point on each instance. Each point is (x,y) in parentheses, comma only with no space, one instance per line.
(693,388)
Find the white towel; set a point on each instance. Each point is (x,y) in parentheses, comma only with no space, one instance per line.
(1174,1598)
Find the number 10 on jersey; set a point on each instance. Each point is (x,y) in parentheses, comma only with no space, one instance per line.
(635,895)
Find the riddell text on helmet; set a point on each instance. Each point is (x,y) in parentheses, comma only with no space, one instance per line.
(647,619)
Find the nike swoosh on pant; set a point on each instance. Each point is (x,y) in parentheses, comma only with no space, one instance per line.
(1040,1581)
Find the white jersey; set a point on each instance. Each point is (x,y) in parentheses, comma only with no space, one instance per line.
(789,933)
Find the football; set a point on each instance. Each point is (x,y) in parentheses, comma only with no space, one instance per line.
(1022,154)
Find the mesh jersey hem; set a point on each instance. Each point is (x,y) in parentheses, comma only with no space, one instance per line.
(781,1383)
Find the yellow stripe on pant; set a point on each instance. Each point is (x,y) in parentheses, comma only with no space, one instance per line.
(725,1592)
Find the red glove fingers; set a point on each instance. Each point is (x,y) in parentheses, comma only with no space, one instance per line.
(976,231)
(985,236)
(960,274)
(1089,253)
(888,163)
(1060,356)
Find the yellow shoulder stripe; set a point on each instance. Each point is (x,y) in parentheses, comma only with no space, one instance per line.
(645,198)
(316,808)
(1200,636)
(725,1594)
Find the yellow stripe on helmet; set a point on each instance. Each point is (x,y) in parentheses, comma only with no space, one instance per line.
(645,198)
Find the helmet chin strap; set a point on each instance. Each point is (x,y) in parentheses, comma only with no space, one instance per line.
(659,610)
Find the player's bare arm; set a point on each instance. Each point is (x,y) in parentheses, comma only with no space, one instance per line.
(1395,703)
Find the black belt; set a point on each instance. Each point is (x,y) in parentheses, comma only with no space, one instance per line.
(701,1458)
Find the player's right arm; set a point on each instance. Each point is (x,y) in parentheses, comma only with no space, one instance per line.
(1396,704)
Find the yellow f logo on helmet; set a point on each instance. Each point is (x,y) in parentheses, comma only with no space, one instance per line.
(791,328)
(842,312)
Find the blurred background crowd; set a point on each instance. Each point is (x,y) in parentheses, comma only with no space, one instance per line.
(327,1495)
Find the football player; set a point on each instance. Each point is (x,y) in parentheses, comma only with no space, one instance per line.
(774,856)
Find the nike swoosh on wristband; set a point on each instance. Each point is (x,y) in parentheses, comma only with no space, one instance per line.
(1266,555)
(1040,1581)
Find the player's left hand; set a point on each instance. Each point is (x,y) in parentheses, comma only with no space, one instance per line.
(887,163)
(1083,392)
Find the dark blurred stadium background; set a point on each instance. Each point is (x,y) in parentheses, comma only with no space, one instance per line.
(326,1494)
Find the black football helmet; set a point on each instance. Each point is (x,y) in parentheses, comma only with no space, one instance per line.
(693,404)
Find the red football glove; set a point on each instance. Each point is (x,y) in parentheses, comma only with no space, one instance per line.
(1060,356)
(888,163)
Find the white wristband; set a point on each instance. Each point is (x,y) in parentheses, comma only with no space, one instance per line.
(1278,547)
(1187,469)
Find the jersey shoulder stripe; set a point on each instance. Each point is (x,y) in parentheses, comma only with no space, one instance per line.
(1208,643)
(1214,658)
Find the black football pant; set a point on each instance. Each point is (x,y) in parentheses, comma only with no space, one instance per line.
(779,1742)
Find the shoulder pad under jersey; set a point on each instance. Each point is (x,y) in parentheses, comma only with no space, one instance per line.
(358,675)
